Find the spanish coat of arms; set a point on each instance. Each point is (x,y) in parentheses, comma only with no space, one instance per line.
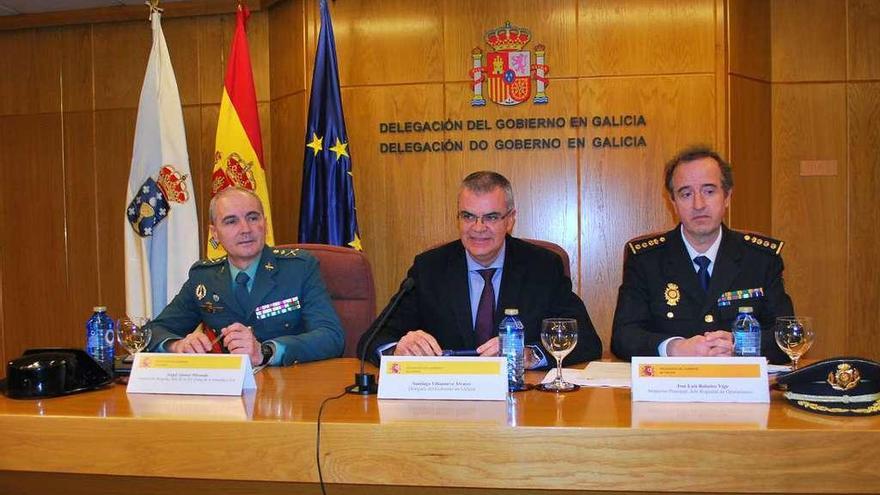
(236,173)
(508,73)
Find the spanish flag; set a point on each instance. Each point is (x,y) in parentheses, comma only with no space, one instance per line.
(238,152)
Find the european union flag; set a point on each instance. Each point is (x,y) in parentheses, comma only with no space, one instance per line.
(327,214)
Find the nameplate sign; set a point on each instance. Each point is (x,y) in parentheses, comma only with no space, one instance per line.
(191,374)
(695,379)
(446,378)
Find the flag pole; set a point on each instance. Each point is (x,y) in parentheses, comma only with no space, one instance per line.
(153,5)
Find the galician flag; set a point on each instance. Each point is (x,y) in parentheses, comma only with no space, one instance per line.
(238,155)
(161,230)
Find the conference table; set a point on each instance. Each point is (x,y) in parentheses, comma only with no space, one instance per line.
(595,440)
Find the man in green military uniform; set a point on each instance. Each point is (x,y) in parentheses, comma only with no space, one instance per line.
(270,304)
(681,289)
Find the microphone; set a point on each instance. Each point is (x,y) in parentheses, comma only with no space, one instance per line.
(365,383)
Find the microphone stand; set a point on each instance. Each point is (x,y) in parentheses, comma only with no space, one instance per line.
(365,383)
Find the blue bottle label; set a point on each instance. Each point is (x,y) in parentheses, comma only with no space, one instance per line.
(511,341)
(746,336)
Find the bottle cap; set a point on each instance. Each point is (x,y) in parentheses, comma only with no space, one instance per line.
(511,312)
(100,309)
(745,309)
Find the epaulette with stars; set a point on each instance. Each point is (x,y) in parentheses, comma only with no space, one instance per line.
(646,243)
(209,262)
(763,242)
(285,252)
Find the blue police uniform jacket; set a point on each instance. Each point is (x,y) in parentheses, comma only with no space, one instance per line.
(661,297)
(289,306)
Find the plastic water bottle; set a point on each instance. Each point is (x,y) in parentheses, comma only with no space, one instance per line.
(746,334)
(100,337)
(510,333)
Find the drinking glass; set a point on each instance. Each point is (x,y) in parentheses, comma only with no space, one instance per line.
(794,335)
(559,336)
(133,333)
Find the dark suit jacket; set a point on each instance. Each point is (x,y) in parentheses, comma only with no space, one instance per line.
(309,331)
(533,281)
(648,311)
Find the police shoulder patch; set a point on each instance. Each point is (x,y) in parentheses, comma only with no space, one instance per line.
(763,242)
(647,243)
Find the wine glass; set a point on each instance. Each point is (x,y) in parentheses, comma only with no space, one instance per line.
(133,333)
(559,336)
(794,335)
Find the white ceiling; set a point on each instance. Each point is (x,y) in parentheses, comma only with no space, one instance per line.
(14,7)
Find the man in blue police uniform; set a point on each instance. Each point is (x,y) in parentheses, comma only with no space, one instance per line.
(681,290)
(462,288)
(270,304)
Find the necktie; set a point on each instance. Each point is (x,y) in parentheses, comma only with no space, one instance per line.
(703,272)
(486,309)
(242,296)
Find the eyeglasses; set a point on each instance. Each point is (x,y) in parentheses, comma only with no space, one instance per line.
(487,219)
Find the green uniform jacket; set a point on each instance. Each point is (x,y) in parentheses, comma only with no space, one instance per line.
(306,329)
(661,297)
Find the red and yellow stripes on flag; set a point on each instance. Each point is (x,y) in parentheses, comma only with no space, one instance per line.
(238,149)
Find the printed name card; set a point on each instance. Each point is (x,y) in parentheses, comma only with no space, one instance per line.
(448,378)
(191,374)
(695,379)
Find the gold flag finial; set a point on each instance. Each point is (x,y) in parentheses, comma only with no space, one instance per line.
(154,7)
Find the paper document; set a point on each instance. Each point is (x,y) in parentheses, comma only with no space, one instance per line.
(774,369)
(605,374)
(596,374)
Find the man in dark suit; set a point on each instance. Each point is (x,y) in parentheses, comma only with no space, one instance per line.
(270,304)
(462,288)
(682,289)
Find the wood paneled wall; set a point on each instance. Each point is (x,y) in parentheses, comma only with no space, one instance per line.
(67,116)
(67,121)
(605,57)
(825,108)
(748,36)
(803,142)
